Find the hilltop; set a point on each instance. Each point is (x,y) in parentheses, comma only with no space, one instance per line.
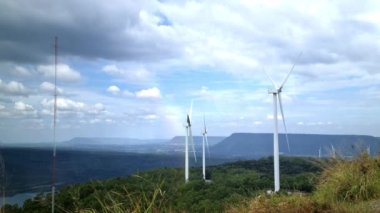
(308,185)
(164,189)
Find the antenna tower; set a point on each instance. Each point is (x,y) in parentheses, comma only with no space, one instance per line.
(54,125)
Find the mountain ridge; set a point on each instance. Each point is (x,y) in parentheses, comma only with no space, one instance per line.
(255,145)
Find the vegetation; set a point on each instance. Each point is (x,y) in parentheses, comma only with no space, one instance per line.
(344,186)
(350,181)
(165,190)
(308,185)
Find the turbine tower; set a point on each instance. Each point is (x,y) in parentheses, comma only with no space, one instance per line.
(319,152)
(204,142)
(369,150)
(189,137)
(333,152)
(276,92)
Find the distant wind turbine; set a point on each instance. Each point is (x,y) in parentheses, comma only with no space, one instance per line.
(333,152)
(189,137)
(369,150)
(277,96)
(320,152)
(205,141)
(54,125)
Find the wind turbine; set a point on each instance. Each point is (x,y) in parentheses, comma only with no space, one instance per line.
(205,141)
(189,137)
(319,152)
(276,92)
(369,150)
(333,152)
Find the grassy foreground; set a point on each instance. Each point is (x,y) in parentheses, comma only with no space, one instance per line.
(344,186)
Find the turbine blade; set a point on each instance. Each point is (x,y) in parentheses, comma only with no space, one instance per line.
(208,149)
(283,120)
(191,110)
(192,143)
(287,76)
(204,123)
(205,135)
(188,120)
(271,79)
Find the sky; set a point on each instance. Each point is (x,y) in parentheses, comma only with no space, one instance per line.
(132,68)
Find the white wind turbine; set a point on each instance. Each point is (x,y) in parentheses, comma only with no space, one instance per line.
(319,152)
(189,137)
(333,152)
(277,96)
(369,150)
(204,142)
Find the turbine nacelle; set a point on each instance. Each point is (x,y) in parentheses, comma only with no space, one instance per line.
(204,131)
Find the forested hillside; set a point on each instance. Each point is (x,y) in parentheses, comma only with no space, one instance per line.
(165,189)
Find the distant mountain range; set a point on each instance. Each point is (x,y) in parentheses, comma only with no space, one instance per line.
(255,145)
(237,145)
(82,159)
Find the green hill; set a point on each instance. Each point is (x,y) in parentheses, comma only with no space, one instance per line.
(165,190)
(308,185)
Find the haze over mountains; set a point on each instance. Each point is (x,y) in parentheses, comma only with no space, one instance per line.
(237,145)
(255,145)
(28,168)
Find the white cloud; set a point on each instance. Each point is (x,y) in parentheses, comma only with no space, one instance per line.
(49,87)
(127,93)
(132,74)
(98,108)
(112,69)
(13,88)
(23,109)
(153,93)
(67,106)
(109,121)
(2,107)
(150,117)
(94,121)
(270,117)
(312,123)
(21,71)
(113,89)
(64,104)
(21,106)
(64,72)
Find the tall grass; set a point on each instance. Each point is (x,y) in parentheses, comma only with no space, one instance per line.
(345,186)
(125,201)
(276,203)
(350,181)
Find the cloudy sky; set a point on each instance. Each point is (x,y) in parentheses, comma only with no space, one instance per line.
(131,68)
